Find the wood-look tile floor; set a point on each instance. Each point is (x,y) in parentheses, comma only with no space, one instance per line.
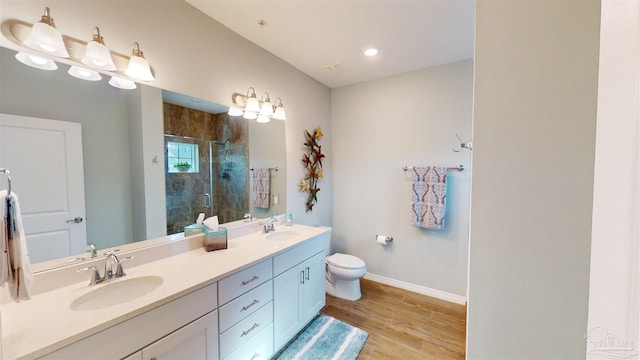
(403,324)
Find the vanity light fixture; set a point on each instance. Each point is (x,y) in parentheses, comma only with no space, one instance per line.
(234,111)
(84,74)
(138,67)
(266,109)
(122,83)
(36,61)
(251,108)
(97,54)
(46,38)
(279,113)
(263,119)
(250,115)
(253,105)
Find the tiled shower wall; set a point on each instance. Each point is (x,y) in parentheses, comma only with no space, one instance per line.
(229,169)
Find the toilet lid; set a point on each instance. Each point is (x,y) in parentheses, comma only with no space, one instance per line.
(345,261)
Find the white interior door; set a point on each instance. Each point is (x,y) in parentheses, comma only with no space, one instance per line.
(45,161)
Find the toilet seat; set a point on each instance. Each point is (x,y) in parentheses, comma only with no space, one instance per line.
(345,261)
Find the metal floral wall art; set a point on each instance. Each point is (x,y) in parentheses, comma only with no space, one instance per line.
(312,161)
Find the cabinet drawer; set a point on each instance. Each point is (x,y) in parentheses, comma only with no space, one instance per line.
(245,330)
(237,284)
(291,258)
(258,348)
(245,305)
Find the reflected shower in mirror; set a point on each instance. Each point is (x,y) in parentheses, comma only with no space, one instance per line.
(130,179)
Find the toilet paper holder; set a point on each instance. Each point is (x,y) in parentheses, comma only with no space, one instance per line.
(384,239)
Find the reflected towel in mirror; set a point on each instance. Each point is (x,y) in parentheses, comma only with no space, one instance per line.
(261,185)
(14,260)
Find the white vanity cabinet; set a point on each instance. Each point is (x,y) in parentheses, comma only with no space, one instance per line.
(246,313)
(261,300)
(189,320)
(298,289)
(197,340)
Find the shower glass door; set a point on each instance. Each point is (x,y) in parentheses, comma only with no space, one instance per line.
(188,181)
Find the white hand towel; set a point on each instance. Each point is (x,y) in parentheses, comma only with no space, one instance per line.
(20,277)
(428,197)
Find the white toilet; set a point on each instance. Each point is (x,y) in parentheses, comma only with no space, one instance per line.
(343,273)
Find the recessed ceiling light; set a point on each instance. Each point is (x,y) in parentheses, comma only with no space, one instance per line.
(371,52)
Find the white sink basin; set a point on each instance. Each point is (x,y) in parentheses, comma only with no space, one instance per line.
(117,292)
(282,235)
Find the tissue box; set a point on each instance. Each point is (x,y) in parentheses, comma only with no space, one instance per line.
(193,229)
(215,240)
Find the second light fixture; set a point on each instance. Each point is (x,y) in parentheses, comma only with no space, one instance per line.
(251,108)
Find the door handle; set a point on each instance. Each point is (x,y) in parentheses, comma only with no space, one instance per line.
(207,201)
(76,220)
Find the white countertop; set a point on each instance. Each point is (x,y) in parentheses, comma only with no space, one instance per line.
(45,323)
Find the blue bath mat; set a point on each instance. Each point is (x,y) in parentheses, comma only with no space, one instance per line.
(326,338)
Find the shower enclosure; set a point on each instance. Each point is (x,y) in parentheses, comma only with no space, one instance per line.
(204,176)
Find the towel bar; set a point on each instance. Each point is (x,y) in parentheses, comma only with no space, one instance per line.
(459,167)
(6,171)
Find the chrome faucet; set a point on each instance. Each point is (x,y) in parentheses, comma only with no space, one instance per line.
(269,226)
(112,269)
(91,248)
(95,275)
(248,217)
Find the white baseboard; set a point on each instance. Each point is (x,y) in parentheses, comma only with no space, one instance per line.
(439,294)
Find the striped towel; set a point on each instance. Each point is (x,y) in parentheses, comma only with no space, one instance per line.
(261,184)
(429,197)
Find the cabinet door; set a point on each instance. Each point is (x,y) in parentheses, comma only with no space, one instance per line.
(286,305)
(198,340)
(313,290)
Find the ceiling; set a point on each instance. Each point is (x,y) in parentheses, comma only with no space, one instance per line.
(326,39)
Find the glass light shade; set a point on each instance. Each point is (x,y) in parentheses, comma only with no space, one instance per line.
(84,74)
(122,83)
(250,115)
(234,111)
(139,69)
(36,61)
(263,119)
(266,109)
(98,55)
(253,105)
(46,38)
(279,114)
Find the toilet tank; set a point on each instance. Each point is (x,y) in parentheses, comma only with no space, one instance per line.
(326,237)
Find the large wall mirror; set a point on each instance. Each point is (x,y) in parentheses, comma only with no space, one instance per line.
(132,142)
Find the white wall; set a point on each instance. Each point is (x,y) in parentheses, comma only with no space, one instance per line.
(262,154)
(194,55)
(146,140)
(614,302)
(536,69)
(380,126)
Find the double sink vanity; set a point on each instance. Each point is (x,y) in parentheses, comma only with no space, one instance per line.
(244,302)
